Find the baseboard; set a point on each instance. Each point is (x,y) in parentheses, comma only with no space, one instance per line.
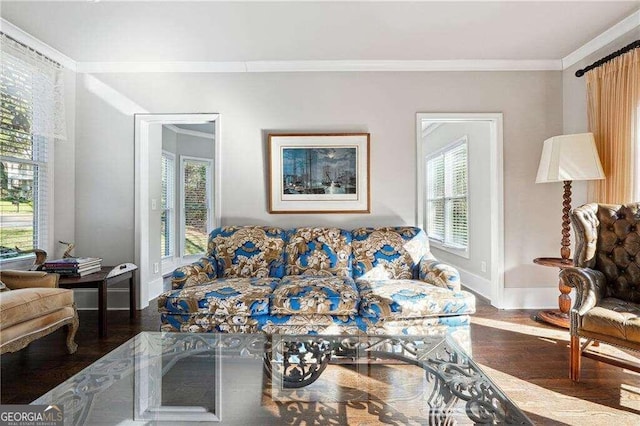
(476,284)
(530,298)
(155,288)
(513,298)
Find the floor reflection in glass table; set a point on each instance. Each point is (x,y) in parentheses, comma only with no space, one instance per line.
(255,379)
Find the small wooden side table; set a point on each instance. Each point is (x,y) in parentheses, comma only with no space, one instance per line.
(102,279)
(558,318)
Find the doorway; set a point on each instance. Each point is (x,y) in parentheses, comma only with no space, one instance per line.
(177,193)
(460,195)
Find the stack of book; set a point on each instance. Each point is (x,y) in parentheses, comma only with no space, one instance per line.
(74,266)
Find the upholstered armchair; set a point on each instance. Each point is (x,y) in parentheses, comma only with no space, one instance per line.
(32,306)
(606,277)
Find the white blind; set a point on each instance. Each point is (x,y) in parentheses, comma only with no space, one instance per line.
(26,103)
(446,198)
(196,191)
(167,221)
(435,197)
(457,230)
(38,81)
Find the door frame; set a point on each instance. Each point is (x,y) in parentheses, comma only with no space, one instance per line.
(495,121)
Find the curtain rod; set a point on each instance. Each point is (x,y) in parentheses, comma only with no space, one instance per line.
(627,48)
(30,48)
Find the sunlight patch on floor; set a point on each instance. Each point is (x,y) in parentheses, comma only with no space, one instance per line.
(544,332)
(562,408)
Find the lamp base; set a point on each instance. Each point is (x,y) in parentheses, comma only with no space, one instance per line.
(556,318)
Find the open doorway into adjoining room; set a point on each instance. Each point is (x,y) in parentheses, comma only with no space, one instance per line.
(177,200)
(459,195)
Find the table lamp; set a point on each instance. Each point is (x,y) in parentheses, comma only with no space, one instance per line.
(566,158)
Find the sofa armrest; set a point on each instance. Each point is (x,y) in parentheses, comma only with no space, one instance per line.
(439,274)
(196,273)
(589,284)
(27,279)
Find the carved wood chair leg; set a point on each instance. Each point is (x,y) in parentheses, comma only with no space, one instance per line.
(575,358)
(72,328)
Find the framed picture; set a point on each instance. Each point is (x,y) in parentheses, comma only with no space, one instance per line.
(319,173)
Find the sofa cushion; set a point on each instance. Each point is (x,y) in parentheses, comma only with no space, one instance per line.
(614,317)
(319,251)
(24,304)
(248,251)
(304,294)
(404,299)
(222,297)
(388,253)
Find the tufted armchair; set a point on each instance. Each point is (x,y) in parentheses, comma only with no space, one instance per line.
(606,277)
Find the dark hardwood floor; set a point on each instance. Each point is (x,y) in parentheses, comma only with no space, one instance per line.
(527,359)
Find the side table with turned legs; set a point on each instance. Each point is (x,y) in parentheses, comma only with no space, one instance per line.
(560,317)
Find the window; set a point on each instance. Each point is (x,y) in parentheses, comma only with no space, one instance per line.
(32,115)
(196,218)
(447,199)
(167,215)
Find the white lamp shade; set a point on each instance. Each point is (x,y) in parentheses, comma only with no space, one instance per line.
(569,157)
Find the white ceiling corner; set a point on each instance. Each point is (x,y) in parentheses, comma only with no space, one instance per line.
(630,23)
(23,37)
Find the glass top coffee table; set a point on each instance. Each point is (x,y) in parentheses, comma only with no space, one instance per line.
(257,379)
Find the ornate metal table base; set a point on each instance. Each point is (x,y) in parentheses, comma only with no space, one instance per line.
(298,361)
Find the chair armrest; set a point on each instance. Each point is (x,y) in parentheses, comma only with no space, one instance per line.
(198,272)
(589,284)
(27,279)
(439,274)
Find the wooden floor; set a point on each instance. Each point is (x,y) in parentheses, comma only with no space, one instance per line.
(527,359)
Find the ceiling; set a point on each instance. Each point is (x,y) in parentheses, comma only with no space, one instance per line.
(108,31)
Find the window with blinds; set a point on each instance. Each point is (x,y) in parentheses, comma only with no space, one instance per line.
(24,161)
(447,196)
(196,188)
(167,215)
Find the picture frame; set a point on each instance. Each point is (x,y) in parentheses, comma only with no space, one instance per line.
(319,173)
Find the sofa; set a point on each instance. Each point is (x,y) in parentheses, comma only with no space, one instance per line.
(318,280)
(32,306)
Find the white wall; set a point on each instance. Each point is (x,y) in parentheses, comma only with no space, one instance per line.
(169,140)
(479,204)
(64,175)
(254,104)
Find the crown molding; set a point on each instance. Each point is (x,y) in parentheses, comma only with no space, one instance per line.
(24,37)
(319,66)
(618,30)
(165,67)
(628,24)
(176,129)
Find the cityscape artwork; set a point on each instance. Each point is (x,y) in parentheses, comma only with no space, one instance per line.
(311,173)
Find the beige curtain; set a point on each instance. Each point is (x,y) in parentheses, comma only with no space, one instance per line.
(613,99)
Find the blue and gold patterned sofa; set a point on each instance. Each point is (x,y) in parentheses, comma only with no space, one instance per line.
(318,280)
